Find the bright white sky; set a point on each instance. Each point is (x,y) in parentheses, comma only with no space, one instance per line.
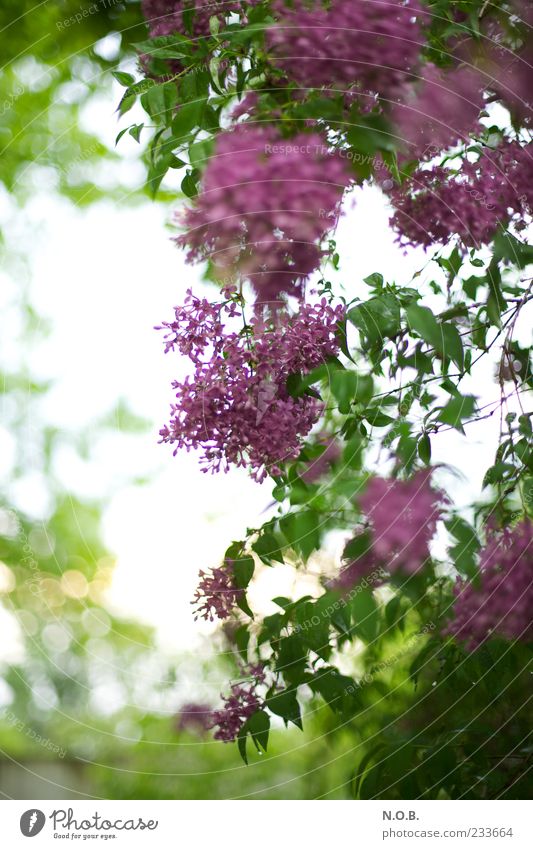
(104,277)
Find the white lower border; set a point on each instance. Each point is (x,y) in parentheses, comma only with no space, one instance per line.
(264,825)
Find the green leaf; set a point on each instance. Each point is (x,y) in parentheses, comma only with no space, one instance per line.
(313,622)
(272,626)
(425,656)
(241,743)
(525,426)
(268,547)
(335,689)
(283,602)
(512,250)
(243,605)
(189,184)
(496,302)
(377,418)
(526,489)
(186,119)
(362,769)
(463,553)
(160,100)
(292,658)
(124,79)
(452,345)
(364,389)
(375,280)
(174,46)
(456,410)
(243,570)
(122,133)
(368,134)
(200,152)
(298,385)
(498,473)
(259,726)
(135,132)
(393,612)
(357,547)
(344,386)
(378,318)
(424,448)
(302,531)
(423,322)
(126,103)
(242,638)
(234,550)
(443,337)
(438,767)
(365,615)
(451,264)
(343,339)
(352,454)
(285,704)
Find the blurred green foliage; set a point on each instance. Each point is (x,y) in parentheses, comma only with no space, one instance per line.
(52,66)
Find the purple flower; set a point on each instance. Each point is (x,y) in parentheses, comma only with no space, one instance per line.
(403,517)
(502,603)
(194,717)
(165,17)
(365,45)
(510,69)
(436,204)
(236,406)
(242,702)
(265,205)
(216,595)
(238,706)
(190,18)
(437,111)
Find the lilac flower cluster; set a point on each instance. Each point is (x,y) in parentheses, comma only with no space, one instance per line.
(195,717)
(510,69)
(217,594)
(503,602)
(265,205)
(236,406)
(513,81)
(366,45)
(165,17)
(437,111)
(242,702)
(436,204)
(403,517)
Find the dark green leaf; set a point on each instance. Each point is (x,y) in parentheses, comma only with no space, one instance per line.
(378,318)
(243,570)
(456,410)
(268,547)
(302,531)
(365,615)
(258,724)
(124,79)
(285,704)
(424,448)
